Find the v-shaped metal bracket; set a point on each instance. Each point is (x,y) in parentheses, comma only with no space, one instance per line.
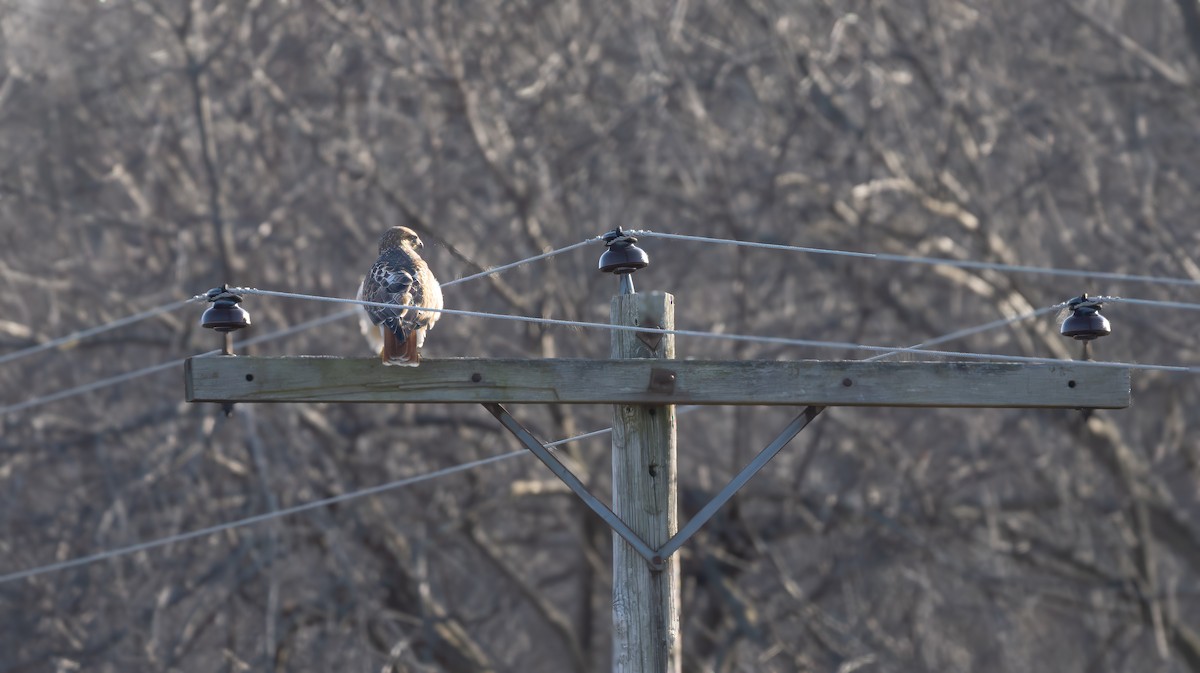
(655,557)
(610,517)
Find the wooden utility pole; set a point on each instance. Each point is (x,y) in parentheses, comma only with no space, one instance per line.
(645,496)
(644,382)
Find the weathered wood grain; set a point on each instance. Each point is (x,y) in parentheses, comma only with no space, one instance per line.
(645,493)
(841,383)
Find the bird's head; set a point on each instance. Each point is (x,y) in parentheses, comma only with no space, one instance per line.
(399,237)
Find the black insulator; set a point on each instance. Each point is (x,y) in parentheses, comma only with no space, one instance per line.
(622,256)
(224,315)
(1085,322)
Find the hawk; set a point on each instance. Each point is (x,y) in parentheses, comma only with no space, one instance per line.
(399,277)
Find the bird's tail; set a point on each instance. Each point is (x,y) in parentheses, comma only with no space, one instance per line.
(398,350)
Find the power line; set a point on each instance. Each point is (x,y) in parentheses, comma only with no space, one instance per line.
(121,378)
(94,385)
(522,262)
(936,261)
(784,341)
(166,308)
(99,329)
(1098,301)
(995,324)
(129,376)
(404,482)
(1148,302)
(374,490)
(260,518)
(146,371)
(268,516)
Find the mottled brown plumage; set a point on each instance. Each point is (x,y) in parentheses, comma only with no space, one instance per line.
(402,278)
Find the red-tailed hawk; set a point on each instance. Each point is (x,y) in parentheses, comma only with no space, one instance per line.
(399,277)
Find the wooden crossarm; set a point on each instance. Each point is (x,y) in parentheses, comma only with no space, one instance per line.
(572,381)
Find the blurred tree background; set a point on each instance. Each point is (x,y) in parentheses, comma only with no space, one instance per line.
(152,149)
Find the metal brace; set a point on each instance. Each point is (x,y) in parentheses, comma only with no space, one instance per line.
(512,425)
(739,481)
(656,558)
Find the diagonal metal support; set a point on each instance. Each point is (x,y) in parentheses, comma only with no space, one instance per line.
(512,425)
(739,481)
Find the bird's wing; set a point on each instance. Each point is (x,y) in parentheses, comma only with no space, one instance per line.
(427,294)
(391,281)
(366,323)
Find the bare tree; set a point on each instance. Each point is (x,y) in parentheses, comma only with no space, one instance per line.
(152,149)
